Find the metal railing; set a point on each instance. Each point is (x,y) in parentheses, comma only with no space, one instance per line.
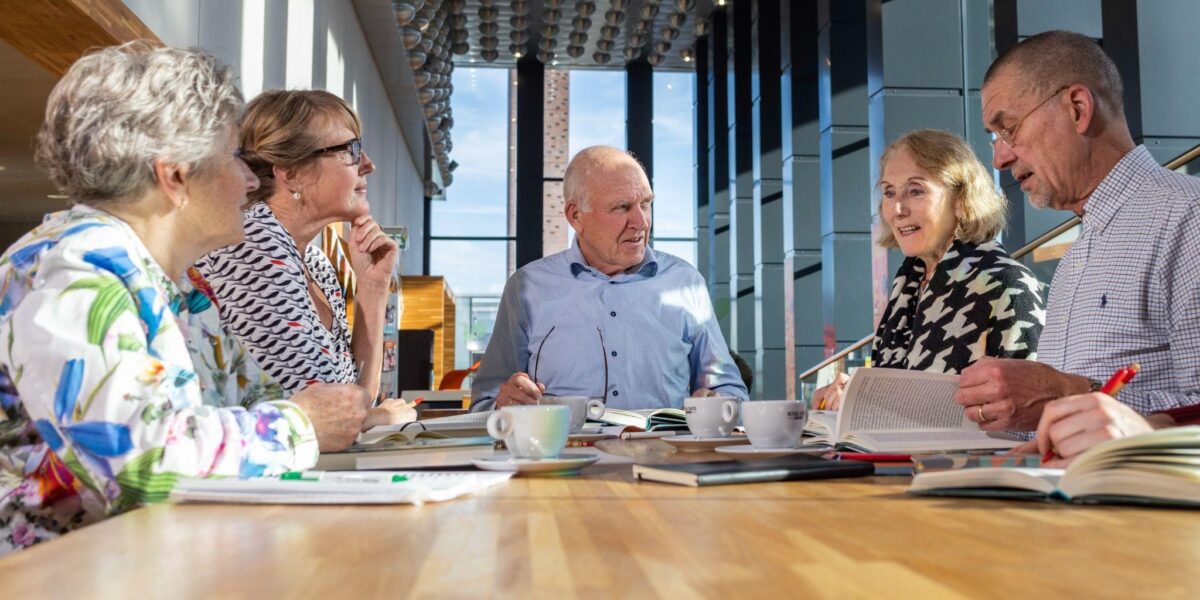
(1037,242)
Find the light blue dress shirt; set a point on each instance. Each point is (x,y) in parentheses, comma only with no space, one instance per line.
(653,324)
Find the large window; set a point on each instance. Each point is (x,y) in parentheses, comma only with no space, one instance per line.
(597,115)
(471,236)
(674,178)
(469,232)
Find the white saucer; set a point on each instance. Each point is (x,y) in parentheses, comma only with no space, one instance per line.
(752,453)
(565,464)
(693,443)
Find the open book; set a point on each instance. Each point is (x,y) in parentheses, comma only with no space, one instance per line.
(652,419)
(464,425)
(404,450)
(1157,468)
(901,411)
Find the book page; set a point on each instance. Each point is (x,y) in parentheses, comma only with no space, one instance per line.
(898,400)
(464,422)
(1038,480)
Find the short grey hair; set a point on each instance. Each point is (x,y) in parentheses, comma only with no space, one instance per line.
(585,164)
(1053,59)
(119,109)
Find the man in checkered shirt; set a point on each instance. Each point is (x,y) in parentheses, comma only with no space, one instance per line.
(1128,290)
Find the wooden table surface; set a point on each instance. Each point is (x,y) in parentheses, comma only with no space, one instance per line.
(603,535)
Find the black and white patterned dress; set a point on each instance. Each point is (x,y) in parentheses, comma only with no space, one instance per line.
(976,292)
(262,296)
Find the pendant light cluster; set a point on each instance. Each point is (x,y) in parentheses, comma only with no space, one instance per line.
(432,31)
(562,32)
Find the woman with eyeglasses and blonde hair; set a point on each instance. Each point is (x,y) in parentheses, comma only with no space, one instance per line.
(116,377)
(277,291)
(958,296)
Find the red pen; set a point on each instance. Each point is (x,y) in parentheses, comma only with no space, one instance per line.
(1111,387)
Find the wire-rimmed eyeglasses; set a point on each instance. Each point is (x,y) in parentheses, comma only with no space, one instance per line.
(1008,136)
(537,359)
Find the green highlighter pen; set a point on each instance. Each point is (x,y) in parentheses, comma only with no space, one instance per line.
(340,477)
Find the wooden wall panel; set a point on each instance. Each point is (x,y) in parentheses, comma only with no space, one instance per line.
(55,33)
(429,304)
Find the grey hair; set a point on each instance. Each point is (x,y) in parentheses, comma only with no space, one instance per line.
(584,165)
(119,109)
(1052,59)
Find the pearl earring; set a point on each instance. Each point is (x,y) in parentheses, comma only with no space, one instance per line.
(295,195)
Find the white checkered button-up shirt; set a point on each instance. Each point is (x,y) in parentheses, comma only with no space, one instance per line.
(1128,290)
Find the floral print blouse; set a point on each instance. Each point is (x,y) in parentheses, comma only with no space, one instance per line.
(114,381)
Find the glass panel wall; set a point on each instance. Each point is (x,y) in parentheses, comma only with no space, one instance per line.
(470,237)
(674,182)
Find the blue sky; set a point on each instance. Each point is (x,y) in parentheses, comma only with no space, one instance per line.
(476,203)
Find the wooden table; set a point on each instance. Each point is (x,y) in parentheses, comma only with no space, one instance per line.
(602,535)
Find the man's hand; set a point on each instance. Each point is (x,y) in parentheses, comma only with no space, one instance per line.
(830,396)
(372,253)
(1076,423)
(392,411)
(703,393)
(1008,394)
(519,389)
(336,410)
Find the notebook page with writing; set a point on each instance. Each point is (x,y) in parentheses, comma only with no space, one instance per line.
(421,487)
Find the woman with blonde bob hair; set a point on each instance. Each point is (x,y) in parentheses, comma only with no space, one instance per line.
(958,296)
(276,290)
(117,378)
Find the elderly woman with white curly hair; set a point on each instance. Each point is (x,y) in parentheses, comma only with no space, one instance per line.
(116,377)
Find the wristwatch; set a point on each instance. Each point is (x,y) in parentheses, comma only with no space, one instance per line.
(1095,385)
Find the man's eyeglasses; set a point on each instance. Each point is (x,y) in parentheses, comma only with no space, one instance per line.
(1009,135)
(352,149)
(537,359)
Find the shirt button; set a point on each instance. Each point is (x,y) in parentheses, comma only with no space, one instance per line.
(612,313)
(616,393)
(614,352)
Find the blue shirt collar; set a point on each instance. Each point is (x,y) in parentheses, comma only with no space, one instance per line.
(644,270)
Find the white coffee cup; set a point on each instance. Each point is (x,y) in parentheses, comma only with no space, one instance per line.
(581,407)
(531,431)
(774,423)
(711,416)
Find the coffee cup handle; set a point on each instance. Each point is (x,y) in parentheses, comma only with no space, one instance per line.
(729,411)
(595,409)
(499,425)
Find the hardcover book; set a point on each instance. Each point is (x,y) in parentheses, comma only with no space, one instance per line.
(784,468)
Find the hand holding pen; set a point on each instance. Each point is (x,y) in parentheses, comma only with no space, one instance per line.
(1071,425)
(392,411)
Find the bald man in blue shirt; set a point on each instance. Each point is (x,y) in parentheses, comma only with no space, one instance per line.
(608,317)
